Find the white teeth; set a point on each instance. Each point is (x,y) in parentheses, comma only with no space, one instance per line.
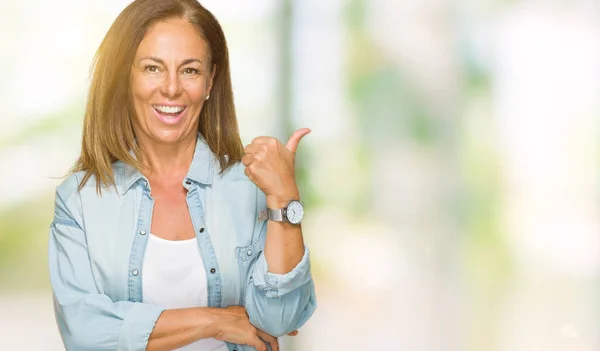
(168,109)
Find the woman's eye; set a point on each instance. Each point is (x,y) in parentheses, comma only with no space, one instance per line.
(152,69)
(189,71)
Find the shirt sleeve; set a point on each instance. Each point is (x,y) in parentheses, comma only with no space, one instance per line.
(279,303)
(276,286)
(88,320)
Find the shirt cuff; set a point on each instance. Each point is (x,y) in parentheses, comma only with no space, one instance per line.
(137,326)
(278,285)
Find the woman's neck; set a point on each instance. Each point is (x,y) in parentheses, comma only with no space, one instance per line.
(167,162)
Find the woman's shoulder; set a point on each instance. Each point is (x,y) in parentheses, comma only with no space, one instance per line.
(66,204)
(70,185)
(78,191)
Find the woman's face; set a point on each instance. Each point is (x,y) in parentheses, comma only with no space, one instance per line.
(170,80)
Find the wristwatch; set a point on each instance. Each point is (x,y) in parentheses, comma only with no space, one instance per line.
(291,213)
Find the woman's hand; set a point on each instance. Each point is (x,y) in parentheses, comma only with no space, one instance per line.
(233,325)
(270,165)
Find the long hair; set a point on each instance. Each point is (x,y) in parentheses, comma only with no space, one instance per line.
(108,133)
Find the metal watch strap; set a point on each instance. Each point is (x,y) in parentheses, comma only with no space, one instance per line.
(270,214)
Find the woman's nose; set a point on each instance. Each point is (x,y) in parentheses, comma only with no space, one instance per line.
(171,86)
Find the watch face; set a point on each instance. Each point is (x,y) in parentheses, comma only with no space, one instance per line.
(295,212)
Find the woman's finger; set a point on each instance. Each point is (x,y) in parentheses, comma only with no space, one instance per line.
(248,174)
(270,339)
(257,343)
(247,159)
(263,140)
(253,148)
(294,333)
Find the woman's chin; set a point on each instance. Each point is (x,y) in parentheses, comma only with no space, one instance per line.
(169,136)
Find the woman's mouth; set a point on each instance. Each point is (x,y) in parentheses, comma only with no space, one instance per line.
(169,114)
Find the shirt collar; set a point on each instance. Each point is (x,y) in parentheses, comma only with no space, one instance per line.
(201,169)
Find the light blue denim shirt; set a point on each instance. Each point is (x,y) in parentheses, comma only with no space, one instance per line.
(97,244)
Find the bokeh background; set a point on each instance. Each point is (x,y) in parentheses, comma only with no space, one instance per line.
(452,177)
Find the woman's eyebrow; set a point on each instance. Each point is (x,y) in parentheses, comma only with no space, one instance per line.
(185,62)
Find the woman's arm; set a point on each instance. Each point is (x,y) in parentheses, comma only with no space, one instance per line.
(270,165)
(280,294)
(177,328)
(86,319)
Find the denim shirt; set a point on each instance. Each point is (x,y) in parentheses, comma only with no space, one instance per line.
(96,251)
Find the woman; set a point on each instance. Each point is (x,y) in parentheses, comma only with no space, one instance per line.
(169,234)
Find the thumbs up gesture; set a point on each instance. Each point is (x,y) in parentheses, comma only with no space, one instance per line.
(270,165)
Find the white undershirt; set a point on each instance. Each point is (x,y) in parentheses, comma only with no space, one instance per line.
(174,276)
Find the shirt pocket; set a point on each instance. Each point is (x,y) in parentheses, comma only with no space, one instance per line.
(246,256)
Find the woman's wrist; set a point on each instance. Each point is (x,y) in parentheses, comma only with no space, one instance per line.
(275,201)
(211,324)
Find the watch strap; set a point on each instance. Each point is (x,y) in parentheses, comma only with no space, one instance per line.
(270,214)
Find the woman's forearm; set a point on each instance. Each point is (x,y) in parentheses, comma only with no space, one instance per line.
(179,327)
(284,245)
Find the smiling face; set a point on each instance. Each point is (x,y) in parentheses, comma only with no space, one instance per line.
(171,77)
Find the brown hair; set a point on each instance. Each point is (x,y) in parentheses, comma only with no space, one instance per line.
(108,133)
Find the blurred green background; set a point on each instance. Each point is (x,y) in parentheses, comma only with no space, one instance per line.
(451,178)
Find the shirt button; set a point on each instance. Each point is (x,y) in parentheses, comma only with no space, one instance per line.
(142,232)
(145,183)
(212,270)
(249,253)
(201,230)
(135,272)
(188,182)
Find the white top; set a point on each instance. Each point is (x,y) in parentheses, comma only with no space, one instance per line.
(174,276)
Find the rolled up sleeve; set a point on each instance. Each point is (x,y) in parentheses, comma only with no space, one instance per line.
(277,285)
(88,320)
(279,303)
